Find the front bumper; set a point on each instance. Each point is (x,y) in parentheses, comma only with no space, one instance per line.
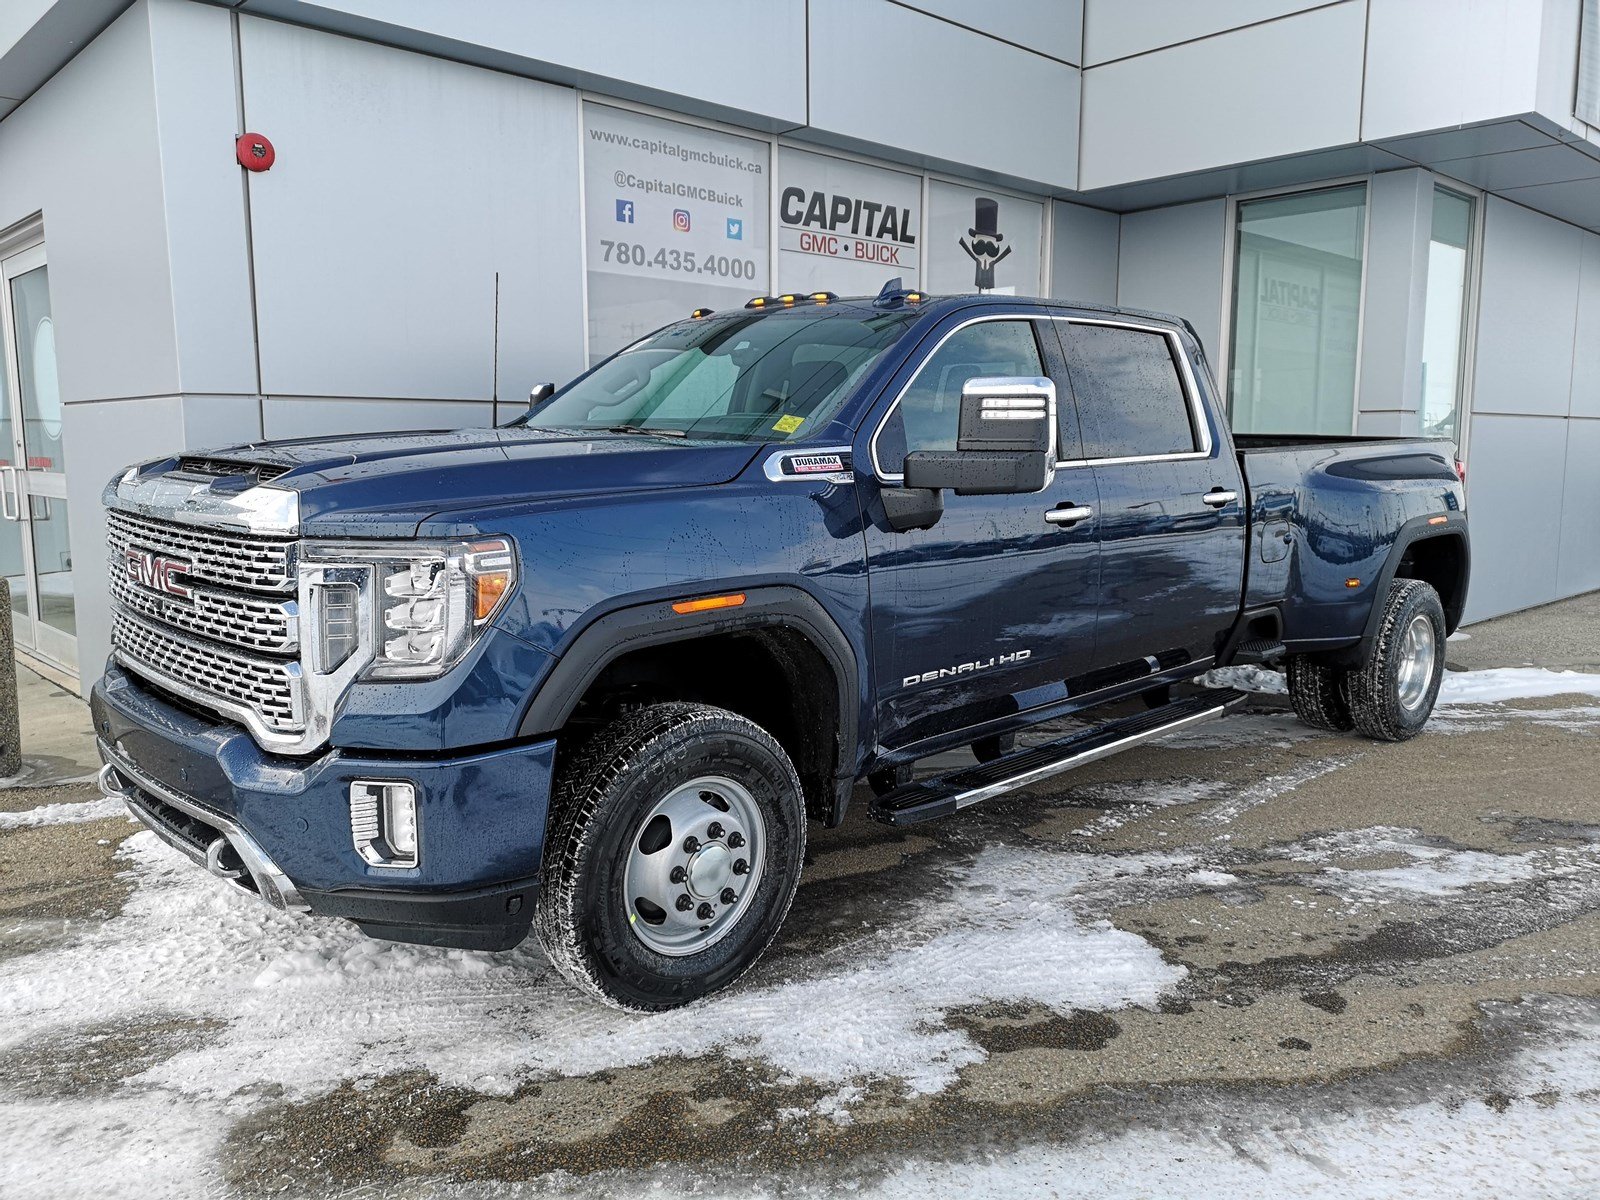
(280,827)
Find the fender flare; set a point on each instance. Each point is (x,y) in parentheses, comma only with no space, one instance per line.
(640,626)
(1419,529)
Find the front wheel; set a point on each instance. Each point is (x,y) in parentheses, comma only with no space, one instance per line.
(674,853)
(1391,695)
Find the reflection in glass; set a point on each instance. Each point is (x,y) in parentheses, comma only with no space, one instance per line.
(36,370)
(1443,324)
(1296,312)
(52,564)
(11,565)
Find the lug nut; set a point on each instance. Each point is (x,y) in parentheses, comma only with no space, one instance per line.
(728,896)
(691,844)
(715,831)
(678,875)
(704,912)
(684,903)
(736,839)
(740,867)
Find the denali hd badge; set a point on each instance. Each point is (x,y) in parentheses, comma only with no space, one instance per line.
(156,572)
(968,668)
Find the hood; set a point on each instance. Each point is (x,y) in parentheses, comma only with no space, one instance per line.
(385,485)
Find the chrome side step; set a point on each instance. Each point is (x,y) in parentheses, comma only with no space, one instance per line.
(927,799)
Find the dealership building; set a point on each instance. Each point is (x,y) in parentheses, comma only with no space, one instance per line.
(1381,216)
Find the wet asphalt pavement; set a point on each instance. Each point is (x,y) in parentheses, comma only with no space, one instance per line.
(1251,958)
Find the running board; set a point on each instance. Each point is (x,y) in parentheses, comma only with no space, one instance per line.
(929,798)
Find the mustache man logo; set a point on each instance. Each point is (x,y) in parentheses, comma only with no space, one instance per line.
(987,247)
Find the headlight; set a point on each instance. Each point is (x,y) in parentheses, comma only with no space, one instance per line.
(429,601)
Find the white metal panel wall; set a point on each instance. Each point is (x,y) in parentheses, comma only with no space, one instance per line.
(1280,88)
(1120,28)
(402,185)
(1053,27)
(1533,501)
(941,91)
(1172,260)
(729,53)
(1433,66)
(196,103)
(1083,262)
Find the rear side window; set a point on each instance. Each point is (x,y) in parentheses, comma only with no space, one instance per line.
(1130,399)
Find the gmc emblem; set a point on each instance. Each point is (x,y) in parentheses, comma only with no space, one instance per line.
(158,574)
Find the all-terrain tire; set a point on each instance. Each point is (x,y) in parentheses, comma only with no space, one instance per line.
(582,917)
(1317,692)
(1372,692)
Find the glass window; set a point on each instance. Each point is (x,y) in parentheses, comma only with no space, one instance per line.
(1444,322)
(929,412)
(1296,312)
(755,377)
(1130,398)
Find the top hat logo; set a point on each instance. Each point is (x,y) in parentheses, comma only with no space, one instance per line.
(987,245)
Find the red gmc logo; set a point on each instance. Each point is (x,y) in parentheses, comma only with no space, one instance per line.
(151,570)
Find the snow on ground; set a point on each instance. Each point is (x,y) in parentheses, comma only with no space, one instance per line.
(1434,871)
(1513,683)
(64,814)
(310,1003)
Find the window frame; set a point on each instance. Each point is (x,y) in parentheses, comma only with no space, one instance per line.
(1180,358)
(1222,361)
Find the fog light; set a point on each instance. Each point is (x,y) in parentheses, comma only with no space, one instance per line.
(383,822)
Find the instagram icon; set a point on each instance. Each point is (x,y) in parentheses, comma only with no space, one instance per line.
(680,220)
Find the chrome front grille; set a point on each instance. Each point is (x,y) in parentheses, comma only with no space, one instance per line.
(256,623)
(215,556)
(266,687)
(211,615)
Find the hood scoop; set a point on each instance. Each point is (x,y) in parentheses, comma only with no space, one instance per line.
(211,467)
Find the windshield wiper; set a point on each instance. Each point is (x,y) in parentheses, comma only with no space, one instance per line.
(677,433)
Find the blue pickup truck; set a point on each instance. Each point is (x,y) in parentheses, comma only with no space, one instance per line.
(592,674)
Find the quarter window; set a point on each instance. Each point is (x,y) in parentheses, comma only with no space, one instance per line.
(929,411)
(1131,401)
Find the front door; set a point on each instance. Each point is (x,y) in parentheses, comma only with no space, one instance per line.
(988,612)
(35,554)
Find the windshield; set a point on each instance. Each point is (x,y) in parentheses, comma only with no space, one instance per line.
(753,377)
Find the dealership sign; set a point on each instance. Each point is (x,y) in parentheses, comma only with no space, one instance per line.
(844,226)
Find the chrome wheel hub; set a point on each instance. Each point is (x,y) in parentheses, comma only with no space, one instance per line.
(1419,646)
(693,865)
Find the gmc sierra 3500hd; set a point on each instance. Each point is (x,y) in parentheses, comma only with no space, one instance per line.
(592,673)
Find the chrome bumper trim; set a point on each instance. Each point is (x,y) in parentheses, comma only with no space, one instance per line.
(118,780)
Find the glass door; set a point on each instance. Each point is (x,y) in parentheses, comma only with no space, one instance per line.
(35,553)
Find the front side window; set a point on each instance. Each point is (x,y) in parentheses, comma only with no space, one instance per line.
(753,377)
(1296,312)
(929,412)
(1131,401)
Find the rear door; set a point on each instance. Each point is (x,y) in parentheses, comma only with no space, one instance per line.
(986,613)
(1171,517)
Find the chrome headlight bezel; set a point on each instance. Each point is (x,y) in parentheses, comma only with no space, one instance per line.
(419,605)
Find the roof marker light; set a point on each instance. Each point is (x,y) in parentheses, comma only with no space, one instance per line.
(702,312)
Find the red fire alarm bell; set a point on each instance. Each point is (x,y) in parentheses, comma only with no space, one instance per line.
(255,152)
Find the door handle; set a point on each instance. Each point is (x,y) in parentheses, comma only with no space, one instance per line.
(10,501)
(1220,497)
(1069,514)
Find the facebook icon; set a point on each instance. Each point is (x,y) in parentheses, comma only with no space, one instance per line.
(625,211)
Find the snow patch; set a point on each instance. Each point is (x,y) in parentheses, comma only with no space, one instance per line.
(1513,683)
(1435,871)
(1263,680)
(65,814)
(312,1002)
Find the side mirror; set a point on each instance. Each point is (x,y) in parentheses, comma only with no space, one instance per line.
(538,394)
(1005,443)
